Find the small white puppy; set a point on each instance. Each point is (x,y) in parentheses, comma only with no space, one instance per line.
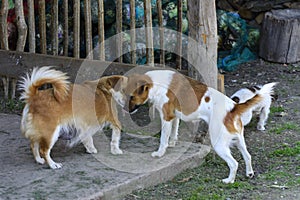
(263,110)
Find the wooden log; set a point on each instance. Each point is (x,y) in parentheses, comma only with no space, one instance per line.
(132,32)
(203,40)
(66,28)
(119,36)
(161,31)
(3,25)
(21,24)
(76,28)
(88,29)
(54,27)
(31,26)
(42,26)
(280,38)
(101,41)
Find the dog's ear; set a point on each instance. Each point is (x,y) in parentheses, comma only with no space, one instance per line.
(111,82)
(142,86)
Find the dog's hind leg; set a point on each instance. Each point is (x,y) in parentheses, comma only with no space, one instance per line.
(174,133)
(46,146)
(223,151)
(35,147)
(89,144)
(241,145)
(263,116)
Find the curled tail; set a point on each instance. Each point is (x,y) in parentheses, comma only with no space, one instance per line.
(30,83)
(266,90)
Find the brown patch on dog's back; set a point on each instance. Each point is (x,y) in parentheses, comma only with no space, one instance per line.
(185,94)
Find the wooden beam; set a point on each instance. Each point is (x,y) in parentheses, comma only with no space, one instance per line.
(132,32)
(76,27)
(42,26)
(66,28)
(31,26)
(161,32)
(21,24)
(149,32)
(101,41)
(88,29)
(179,35)
(3,25)
(54,27)
(119,37)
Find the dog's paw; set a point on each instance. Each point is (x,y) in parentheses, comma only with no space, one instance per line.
(260,127)
(228,180)
(250,174)
(55,165)
(158,154)
(116,151)
(40,160)
(91,150)
(172,143)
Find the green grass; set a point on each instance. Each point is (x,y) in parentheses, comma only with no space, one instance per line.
(284,127)
(287,151)
(276,109)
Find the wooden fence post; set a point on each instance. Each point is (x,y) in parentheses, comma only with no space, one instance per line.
(3,25)
(203,40)
(21,24)
(31,26)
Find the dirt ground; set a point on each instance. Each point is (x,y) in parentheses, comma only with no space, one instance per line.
(275,152)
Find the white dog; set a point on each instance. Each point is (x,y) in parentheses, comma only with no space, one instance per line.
(244,94)
(178,97)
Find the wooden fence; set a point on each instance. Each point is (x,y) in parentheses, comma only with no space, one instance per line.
(31,27)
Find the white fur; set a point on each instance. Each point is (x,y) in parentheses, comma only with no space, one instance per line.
(213,112)
(263,109)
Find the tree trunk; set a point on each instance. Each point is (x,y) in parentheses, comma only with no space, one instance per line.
(280,36)
(3,25)
(203,40)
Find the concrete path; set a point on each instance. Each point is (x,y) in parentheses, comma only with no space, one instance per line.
(86,176)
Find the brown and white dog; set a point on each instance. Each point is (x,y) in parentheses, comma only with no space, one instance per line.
(178,97)
(263,110)
(81,108)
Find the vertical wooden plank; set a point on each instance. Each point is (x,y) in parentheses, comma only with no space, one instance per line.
(132,32)
(161,32)
(119,38)
(76,26)
(179,34)
(149,32)
(88,29)
(66,27)
(54,27)
(203,40)
(31,26)
(3,25)
(21,24)
(42,26)
(101,41)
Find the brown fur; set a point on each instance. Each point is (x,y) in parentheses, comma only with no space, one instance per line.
(234,115)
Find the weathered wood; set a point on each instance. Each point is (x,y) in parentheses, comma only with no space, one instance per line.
(119,36)
(66,28)
(161,32)
(149,32)
(132,32)
(42,26)
(54,27)
(202,47)
(21,24)
(31,26)
(76,27)
(179,35)
(3,25)
(101,42)
(280,36)
(88,29)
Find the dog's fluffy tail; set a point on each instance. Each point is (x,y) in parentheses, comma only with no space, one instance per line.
(31,83)
(266,90)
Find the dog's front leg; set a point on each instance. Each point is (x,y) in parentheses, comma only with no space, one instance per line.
(164,138)
(115,141)
(174,133)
